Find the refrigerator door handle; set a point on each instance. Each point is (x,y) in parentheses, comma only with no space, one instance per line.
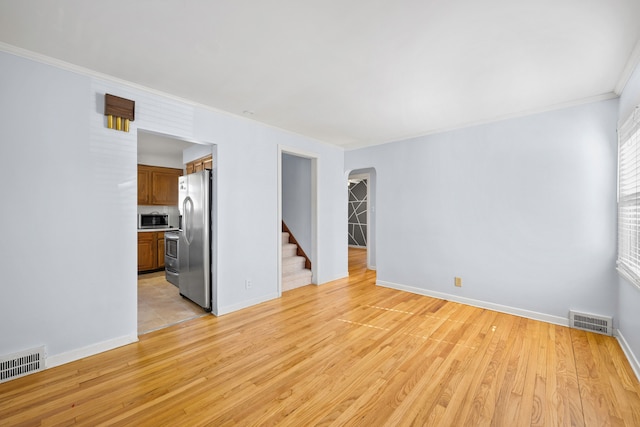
(187,206)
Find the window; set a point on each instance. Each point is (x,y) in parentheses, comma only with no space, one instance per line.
(629,198)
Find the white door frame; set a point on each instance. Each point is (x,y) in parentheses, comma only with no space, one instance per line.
(366,176)
(370,210)
(314,210)
(215,309)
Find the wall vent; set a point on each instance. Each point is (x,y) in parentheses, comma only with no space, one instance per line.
(591,322)
(20,364)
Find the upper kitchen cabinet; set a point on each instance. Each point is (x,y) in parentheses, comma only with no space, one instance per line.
(164,187)
(200,164)
(144,185)
(157,185)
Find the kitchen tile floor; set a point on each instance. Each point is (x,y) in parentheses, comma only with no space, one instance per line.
(160,304)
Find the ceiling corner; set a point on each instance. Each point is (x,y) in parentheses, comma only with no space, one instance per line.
(632,63)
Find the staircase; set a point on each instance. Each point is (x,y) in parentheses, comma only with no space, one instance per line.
(294,273)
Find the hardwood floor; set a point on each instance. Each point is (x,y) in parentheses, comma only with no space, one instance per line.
(344,353)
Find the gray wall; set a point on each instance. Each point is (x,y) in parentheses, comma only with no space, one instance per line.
(524,210)
(371,244)
(357,212)
(296,199)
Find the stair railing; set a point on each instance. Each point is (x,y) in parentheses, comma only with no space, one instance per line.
(300,251)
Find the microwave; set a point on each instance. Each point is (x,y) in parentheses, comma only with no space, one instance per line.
(153,221)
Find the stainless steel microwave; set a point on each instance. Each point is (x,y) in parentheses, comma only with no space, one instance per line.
(153,221)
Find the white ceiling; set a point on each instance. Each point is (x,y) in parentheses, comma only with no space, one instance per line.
(161,146)
(350,73)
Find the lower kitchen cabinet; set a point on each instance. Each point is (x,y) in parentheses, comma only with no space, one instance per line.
(160,249)
(150,250)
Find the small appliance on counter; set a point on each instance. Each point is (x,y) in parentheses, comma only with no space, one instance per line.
(153,220)
(171,266)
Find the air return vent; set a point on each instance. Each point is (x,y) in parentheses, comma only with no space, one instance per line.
(20,364)
(591,322)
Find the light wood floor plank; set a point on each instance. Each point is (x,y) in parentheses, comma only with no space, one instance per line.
(438,402)
(570,404)
(347,353)
(595,392)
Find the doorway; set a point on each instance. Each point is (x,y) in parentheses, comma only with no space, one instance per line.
(361,185)
(159,302)
(358,211)
(297,204)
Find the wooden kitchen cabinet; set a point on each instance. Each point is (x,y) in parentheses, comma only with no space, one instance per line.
(157,185)
(150,250)
(144,185)
(147,258)
(200,164)
(207,163)
(160,250)
(164,187)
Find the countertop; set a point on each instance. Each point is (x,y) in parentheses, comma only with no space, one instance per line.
(145,230)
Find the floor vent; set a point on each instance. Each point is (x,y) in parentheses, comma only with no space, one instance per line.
(591,322)
(20,364)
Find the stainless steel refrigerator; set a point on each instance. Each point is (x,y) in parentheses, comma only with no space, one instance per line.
(194,245)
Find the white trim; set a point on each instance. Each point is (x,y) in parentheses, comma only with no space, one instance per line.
(555,320)
(340,276)
(297,152)
(627,71)
(48,60)
(626,196)
(633,361)
(315,182)
(58,63)
(633,281)
(213,150)
(245,304)
(359,176)
(315,159)
(525,113)
(368,221)
(81,353)
(364,176)
(279,225)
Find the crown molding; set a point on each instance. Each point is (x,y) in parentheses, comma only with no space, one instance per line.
(524,113)
(632,63)
(58,63)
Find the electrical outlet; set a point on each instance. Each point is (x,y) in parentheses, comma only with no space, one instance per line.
(458,282)
(248,284)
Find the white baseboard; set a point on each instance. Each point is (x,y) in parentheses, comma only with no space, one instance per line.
(81,353)
(340,276)
(244,304)
(556,320)
(633,361)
